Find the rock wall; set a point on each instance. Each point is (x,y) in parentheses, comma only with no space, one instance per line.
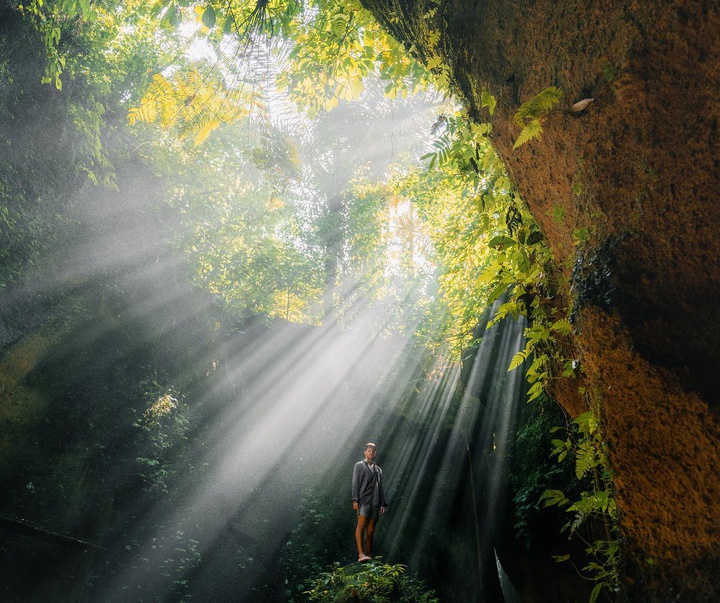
(639,168)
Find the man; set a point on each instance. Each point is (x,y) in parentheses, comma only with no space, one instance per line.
(368,498)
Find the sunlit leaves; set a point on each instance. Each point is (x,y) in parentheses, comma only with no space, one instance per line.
(452,218)
(192,103)
(502,242)
(334,49)
(517,360)
(48,19)
(465,145)
(464,198)
(243,235)
(173,15)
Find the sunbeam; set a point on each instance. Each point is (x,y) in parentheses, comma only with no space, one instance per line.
(304,397)
(456,462)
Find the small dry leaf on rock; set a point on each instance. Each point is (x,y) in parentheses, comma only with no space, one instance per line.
(580,105)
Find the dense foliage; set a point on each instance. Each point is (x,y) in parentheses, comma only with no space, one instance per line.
(376,582)
(269,234)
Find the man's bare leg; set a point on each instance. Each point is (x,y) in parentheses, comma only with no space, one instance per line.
(369,533)
(361,526)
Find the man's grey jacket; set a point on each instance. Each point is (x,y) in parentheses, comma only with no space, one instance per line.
(367,485)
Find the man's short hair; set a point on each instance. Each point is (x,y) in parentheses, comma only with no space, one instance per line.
(370,445)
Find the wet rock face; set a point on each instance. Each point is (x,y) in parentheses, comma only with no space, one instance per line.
(640,168)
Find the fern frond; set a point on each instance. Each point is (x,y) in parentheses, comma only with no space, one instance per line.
(168,109)
(532,129)
(548,98)
(554,497)
(535,391)
(539,104)
(585,461)
(159,96)
(161,86)
(517,360)
(206,124)
(562,326)
(145,113)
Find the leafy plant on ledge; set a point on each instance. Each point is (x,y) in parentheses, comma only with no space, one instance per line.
(374,582)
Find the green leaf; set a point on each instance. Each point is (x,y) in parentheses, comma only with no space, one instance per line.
(69,7)
(554,497)
(538,105)
(587,422)
(584,461)
(208,17)
(568,368)
(174,15)
(488,100)
(86,10)
(158,7)
(538,332)
(480,130)
(580,235)
(228,25)
(535,391)
(501,242)
(499,289)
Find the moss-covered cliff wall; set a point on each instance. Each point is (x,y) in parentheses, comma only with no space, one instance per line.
(639,167)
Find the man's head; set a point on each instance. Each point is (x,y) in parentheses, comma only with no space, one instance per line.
(370,451)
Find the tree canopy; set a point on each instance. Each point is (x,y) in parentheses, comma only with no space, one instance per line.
(299,185)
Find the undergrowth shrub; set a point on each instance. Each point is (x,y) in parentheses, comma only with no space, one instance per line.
(374,582)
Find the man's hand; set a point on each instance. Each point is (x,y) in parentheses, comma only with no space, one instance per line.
(356,506)
(382,510)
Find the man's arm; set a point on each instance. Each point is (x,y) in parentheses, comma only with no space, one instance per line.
(356,485)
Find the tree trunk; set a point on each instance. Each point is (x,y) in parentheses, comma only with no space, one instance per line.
(640,168)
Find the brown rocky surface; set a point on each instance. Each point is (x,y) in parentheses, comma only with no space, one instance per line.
(640,166)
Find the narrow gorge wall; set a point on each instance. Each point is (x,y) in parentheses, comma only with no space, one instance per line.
(639,167)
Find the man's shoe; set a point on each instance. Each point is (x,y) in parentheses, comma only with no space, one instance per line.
(363,558)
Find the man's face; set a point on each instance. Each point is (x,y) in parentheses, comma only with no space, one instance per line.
(370,453)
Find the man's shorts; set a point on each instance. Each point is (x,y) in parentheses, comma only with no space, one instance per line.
(369,512)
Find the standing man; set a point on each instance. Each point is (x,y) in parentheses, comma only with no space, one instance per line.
(368,498)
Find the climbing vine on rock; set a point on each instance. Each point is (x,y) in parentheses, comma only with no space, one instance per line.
(595,509)
(517,260)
